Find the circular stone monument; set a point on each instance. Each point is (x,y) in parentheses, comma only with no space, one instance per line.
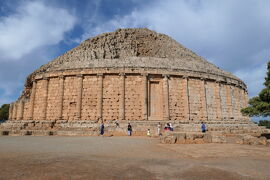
(131,75)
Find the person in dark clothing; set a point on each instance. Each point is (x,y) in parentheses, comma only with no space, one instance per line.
(203,127)
(129,129)
(167,127)
(102,129)
(117,124)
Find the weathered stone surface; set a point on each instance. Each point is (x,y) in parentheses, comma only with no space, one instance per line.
(249,139)
(131,75)
(218,137)
(186,138)
(169,139)
(128,48)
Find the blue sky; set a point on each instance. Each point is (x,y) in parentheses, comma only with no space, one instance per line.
(233,35)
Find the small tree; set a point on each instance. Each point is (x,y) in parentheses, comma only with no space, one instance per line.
(264,123)
(4,111)
(260,105)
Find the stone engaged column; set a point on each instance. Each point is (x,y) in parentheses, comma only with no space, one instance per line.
(246,98)
(205,98)
(232,102)
(21,110)
(79,97)
(222,101)
(44,111)
(228,112)
(32,100)
(15,111)
(166,116)
(61,96)
(237,103)
(145,97)
(100,97)
(188,96)
(10,111)
(122,97)
(219,102)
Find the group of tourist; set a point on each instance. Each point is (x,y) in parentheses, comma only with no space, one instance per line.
(168,127)
(102,128)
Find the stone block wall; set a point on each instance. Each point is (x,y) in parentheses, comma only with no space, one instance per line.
(197,101)
(213,101)
(178,99)
(133,98)
(53,101)
(89,98)
(226,102)
(70,98)
(26,112)
(19,110)
(113,96)
(235,102)
(39,103)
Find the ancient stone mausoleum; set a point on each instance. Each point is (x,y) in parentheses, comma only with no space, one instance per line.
(131,75)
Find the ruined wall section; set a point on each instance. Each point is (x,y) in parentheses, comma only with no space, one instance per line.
(70,98)
(242,104)
(226,102)
(89,98)
(235,102)
(19,110)
(133,98)
(26,111)
(213,100)
(124,96)
(197,101)
(246,99)
(14,111)
(39,99)
(111,97)
(53,101)
(178,99)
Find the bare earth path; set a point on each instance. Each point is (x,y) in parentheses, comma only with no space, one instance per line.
(128,158)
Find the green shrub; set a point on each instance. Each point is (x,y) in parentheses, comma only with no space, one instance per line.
(4,110)
(264,123)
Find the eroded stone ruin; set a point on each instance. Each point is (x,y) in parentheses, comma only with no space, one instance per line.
(130,75)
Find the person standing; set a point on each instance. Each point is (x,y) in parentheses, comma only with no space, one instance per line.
(102,129)
(129,129)
(116,124)
(203,127)
(167,127)
(171,127)
(158,129)
(148,133)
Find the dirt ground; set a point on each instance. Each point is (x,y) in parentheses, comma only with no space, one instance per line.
(59,158)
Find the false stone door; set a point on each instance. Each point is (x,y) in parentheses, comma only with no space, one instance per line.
(155,103)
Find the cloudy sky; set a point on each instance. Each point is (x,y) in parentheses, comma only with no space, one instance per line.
(232,34)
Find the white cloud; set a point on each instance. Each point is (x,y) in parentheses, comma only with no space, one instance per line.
(231,34)
(254,78)
(32,26)
(8,89)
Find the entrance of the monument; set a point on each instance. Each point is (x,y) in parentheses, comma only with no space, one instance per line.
(155,101)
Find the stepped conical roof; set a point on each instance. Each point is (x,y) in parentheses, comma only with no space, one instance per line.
(132,48)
